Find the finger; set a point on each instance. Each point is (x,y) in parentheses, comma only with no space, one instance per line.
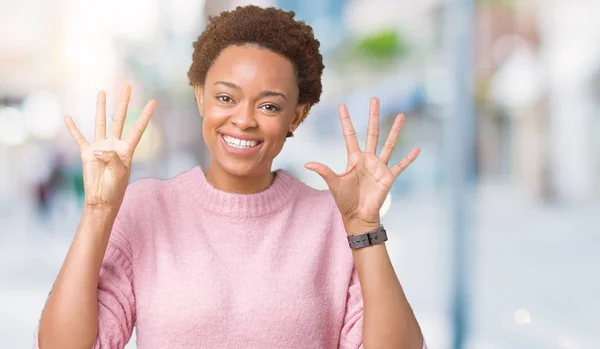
(390,142)
(75,133)
(404,163)
(116,128)
(373,128)
(325,172)
(349,132)
(134,136)
(100,116)
(110,157)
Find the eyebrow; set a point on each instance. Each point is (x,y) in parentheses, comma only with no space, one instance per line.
(262,93)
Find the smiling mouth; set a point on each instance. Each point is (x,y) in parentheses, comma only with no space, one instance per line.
(240,143)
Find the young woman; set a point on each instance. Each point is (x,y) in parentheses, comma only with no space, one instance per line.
(235,255)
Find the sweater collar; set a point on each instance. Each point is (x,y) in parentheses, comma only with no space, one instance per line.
(274,198)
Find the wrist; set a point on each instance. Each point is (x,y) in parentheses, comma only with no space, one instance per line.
(361,227)
(97,222)
(100,211)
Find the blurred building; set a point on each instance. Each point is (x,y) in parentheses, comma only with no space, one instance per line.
(537,87)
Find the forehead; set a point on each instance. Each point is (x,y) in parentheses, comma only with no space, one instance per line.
(250,67)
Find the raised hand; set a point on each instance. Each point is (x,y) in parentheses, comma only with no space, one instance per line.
(360,191)
(107,161)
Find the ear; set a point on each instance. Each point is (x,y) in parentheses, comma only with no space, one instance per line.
(199,90)
(300,114)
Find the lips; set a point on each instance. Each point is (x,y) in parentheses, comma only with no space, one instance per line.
(240,143)
(241,136)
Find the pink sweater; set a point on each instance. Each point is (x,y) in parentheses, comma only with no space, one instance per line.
(195,267)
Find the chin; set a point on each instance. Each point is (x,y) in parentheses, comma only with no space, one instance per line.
(241,168)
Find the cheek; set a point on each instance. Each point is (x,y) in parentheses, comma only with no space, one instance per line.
(275,134)
(212,119)
(274,129)
(219,112)
(216,115)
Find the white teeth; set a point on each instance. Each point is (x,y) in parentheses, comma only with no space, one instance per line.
(239,143)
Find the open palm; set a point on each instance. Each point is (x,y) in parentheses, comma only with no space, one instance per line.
(107,161)
(360,191)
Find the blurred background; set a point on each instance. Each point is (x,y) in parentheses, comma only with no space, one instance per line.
(494,230)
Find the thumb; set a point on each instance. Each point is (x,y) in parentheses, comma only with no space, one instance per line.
(110,157)
(324,171)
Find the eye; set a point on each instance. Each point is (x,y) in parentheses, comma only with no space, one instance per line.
(271,107)
(224,99)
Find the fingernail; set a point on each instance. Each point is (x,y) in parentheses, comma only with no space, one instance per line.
(98,152)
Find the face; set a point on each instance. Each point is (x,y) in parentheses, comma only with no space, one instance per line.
(249,102)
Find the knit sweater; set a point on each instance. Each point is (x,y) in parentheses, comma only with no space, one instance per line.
(192,266)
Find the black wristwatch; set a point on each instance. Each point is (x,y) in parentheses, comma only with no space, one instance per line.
(371,238)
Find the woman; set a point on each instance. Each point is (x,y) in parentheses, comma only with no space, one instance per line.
(237,255)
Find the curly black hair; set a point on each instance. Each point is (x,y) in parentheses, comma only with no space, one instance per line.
(270,28)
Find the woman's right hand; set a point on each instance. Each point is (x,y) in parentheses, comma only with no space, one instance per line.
(107,161)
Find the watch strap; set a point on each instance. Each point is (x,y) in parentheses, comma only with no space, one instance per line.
(367,239)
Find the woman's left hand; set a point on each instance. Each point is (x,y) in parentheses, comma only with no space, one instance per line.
(360,191)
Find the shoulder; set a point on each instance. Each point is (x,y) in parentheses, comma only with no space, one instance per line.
(318,209)
(319,201)
(314,195)
(148,202)
(143,195)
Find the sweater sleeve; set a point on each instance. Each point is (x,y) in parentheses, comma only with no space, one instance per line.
(116,301)
(351,334)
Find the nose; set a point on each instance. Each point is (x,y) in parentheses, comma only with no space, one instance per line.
(244,118)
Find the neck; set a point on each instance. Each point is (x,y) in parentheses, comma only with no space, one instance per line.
(224,181)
